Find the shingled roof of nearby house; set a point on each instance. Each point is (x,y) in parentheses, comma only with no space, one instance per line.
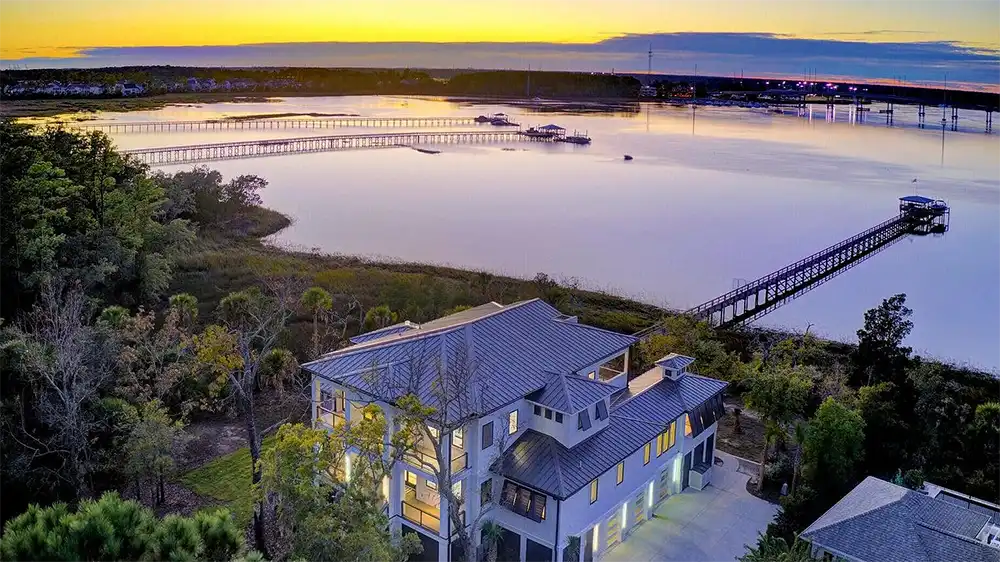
(541,462)
(879,521)
(504,352)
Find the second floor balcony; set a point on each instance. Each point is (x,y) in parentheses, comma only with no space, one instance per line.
(426,460)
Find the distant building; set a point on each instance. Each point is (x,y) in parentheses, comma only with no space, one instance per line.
(130,89)
(647,92)
(879,521)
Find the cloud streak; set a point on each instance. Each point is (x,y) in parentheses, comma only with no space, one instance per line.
(762,54)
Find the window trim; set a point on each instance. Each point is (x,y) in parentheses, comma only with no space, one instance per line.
(594,490)
(620,473)
(431,484)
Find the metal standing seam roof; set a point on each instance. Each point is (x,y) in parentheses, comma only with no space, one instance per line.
(879,521)
(507,353)
(541,462)
(387,331)
(571,393)
(675,361)
(916,199)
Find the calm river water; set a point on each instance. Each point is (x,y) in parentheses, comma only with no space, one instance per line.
(712,197)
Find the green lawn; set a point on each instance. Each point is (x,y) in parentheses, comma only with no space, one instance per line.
(227,479)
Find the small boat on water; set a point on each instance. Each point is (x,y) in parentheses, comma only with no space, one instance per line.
(482,119)
(628,157)
(575,138)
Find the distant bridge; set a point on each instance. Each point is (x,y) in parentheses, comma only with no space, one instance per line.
(748,302)
(270,124)
(273,147)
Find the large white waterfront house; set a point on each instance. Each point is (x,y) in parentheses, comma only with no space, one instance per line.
(586,453)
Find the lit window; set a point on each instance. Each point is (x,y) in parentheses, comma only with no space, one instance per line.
(621,472)
(537,410)
(456,489)
(659,444)
(512,422)
(593,490)
(645,454)
(591,375)
(433,431)
(687,425)
(458,438)
(673,434)
(431,484)
(411,479)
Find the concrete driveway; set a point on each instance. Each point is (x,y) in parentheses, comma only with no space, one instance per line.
(711,525)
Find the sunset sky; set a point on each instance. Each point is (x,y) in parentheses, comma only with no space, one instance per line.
(922,39)
(60,28)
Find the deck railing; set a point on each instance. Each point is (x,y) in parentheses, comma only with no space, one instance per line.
(428,461)
(414,513)
(328,417)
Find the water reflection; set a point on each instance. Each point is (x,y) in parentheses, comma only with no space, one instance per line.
(713,194)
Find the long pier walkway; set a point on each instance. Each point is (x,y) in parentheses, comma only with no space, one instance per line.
(271,124)
(253,149)
(917,215)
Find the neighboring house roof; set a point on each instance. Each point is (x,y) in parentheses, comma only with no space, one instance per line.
(541,462)
(916,199)
(571,393)
(879,521)
(503,352)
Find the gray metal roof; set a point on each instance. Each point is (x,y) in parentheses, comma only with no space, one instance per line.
(541,462)
(879,521)
(504,354)
(675,361)
(381,333)
(571,393)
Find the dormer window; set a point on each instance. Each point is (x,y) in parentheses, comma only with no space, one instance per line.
(601,411)
(583,421)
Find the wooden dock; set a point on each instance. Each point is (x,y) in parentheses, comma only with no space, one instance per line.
(274,147)
(759,297)
(270,124)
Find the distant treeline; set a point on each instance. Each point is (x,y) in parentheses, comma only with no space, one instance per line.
(167,79)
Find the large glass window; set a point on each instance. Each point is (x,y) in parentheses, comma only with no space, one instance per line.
(593,490)
(687,425)
(512,422)
(458,438)
(621,473)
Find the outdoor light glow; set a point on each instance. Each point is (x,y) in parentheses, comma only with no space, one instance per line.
(347,466)
(649,501)
(624,513)
(593,547)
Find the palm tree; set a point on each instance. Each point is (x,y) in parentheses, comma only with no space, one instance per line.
(776,549)
(799,437)
(772,433)
(492,534)
(317,301)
